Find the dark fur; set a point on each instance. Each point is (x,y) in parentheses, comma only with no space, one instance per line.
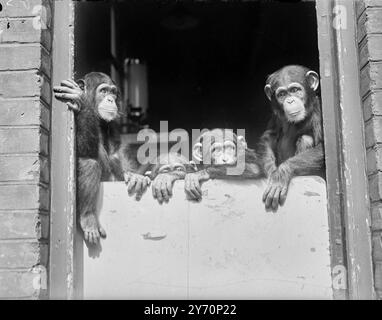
(308,162)
(97,144)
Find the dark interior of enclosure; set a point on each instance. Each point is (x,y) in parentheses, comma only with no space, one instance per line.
(210,73)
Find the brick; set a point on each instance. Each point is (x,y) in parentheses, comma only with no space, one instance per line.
(371,49)
(370,22)
(23,284)
(21,30)
(23,197)
(371,77)
(22,57)
(16,8)
(373,132)
(376,217)
(23,225)
(17,84)
(372,105)
(23,140)
(22,254)
(24,168)
(373,161)
(375,187)
(24,112)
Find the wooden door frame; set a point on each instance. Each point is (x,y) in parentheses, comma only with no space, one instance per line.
(348,197)
(345,151)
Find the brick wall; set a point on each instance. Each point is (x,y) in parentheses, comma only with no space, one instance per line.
(369,13)
(25,99)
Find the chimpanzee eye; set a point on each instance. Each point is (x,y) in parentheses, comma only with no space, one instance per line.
(281,94)
(294,89)
(103,91)
(216,150)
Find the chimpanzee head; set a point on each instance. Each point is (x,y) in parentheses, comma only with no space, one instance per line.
(172,163)
(102,93)
(291,90)
(218,147)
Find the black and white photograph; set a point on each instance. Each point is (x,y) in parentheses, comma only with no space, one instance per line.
(210,151)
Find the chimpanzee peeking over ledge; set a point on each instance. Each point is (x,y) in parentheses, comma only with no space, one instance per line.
(293,142)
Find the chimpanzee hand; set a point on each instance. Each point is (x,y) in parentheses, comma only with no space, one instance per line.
(68,92)
(192,184)
(162,186)
(136,183)
(277,188)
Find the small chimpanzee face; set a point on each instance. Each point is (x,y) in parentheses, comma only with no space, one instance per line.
(292,98)
(223,153)
(171,163)
(218,147)
(106,101)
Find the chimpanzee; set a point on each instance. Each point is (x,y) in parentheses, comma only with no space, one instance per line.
(293,142)
(169,168)
(218,151)
(96,101)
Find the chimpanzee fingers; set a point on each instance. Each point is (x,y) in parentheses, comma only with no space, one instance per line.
(140,193)
(131,184)
(276,197)
(163,189)
(67,96)
(75,84)
(68,83)
(102,232)
(187,188)
(266,192)
(148,181)
(194,190)
(197,188)
(138,185)
(283,195)
(169,187)
(64,89)
(153,189)
(269,199)
(127,177)
(156,189)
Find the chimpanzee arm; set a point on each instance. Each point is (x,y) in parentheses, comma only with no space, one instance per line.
(308,162)
(252,170)
(133,171)
(265,149)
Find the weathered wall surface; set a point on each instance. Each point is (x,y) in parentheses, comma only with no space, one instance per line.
(25,98)
(226,246)
(369,13)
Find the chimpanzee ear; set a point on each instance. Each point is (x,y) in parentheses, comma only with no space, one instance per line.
(313,79)
(197,151)
(81,84)
(241,140)
(268,91)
